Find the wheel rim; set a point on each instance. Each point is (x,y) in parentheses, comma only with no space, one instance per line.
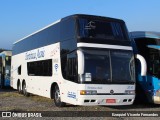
(57,95)
(24,89)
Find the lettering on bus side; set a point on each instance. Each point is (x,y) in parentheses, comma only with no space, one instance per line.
(130,87)
(71,95)
(91,87)
(32,55)
(40,53)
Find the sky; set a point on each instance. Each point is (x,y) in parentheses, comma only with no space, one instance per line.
(19,18)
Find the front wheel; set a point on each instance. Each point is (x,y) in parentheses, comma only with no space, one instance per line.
(57,97)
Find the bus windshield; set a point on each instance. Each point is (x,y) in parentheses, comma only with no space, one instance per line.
(101,29)
(154,62)
(109,66)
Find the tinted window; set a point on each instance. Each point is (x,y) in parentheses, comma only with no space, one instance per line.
(109,66)
(19,70)
(70,66)
(61,31)
(122,66)
(42,38)
(154,62)
(101,29)
(68,46)
(98,65)
(64,66)
(40,68)
(67,29)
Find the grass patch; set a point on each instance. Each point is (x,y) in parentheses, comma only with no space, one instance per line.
(10,94)
(11,108)
(41,99)
(32,97)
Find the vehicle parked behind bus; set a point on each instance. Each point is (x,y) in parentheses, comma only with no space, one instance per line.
(147,44)
(5,67)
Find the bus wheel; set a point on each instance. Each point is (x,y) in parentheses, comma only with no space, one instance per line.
(24,90)
(19,88)
(57,97)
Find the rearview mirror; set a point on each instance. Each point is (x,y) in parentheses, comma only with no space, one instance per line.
(80,62)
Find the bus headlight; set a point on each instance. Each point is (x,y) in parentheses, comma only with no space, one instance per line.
(130,92)
(88,92)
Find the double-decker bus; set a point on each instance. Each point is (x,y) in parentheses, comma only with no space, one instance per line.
(147,44)
(80,60)
(5,67)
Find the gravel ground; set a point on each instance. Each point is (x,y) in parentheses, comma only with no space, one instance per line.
(11,101)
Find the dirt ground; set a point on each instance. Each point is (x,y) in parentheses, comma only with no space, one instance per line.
(12,101)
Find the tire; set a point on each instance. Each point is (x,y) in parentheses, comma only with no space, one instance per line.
(24,90)
(57,97)
(19,88)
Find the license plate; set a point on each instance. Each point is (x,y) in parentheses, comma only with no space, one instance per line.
(110,100)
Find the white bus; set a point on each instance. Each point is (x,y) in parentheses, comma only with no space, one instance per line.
(80,60)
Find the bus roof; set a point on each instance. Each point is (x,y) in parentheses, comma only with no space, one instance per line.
(147,34)
(75,15)
(7,53)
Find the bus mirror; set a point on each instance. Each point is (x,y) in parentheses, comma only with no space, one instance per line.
(143,64)
(80,62)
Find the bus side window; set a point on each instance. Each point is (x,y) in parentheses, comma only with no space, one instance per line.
(64,66)
(72,73)
(156,68)
(19,70)
(154,62)
(40,68)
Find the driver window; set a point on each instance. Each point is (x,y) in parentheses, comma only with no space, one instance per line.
(72,67)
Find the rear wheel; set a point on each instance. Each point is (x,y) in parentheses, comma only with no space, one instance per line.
(24,89)
(57,97)
(19,88)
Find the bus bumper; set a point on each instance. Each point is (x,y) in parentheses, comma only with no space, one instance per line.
(107,100)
